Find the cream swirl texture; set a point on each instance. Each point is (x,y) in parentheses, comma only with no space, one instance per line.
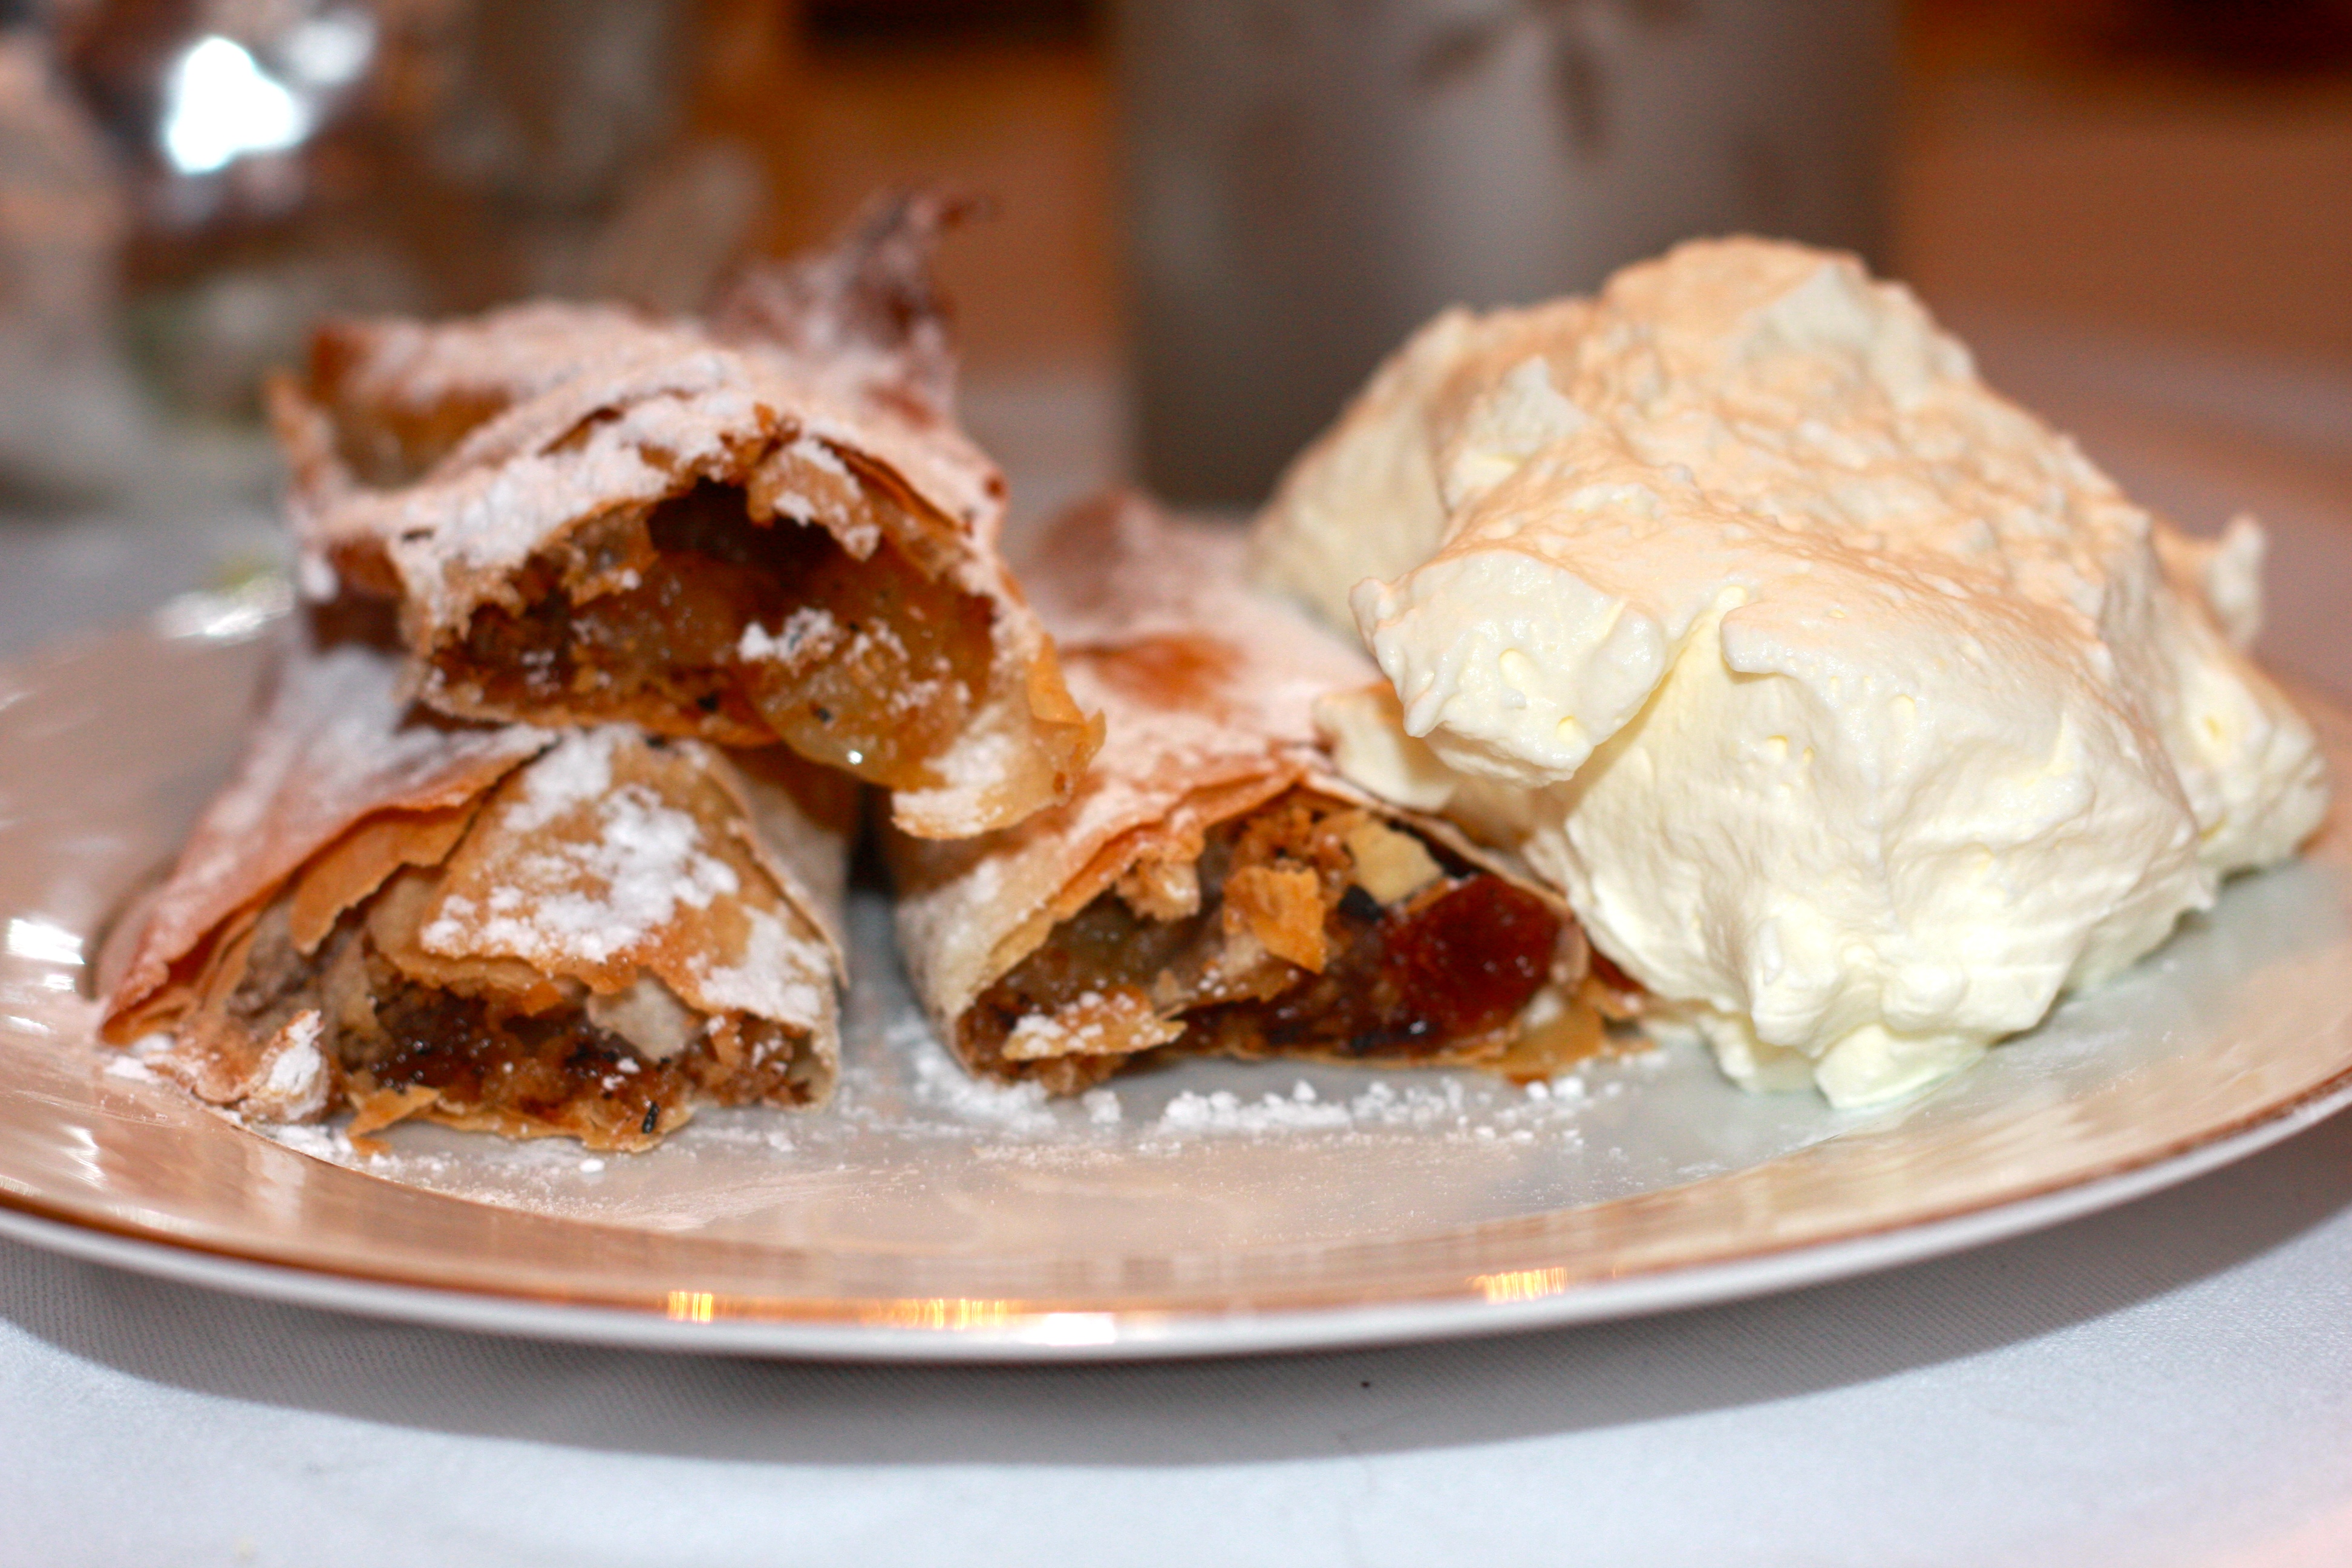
(1858,714)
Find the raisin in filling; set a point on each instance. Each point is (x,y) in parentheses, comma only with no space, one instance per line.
(1449,963)
(1415,980)
(693,619)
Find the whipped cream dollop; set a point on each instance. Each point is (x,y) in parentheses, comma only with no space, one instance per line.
(1858,714)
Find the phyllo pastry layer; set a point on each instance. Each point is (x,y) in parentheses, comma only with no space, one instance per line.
(764,527)
(504,929)
(1216,885)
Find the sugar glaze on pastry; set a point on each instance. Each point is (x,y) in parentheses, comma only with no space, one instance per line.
(1858,714)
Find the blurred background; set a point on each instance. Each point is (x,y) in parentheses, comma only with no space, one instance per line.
(1211,216)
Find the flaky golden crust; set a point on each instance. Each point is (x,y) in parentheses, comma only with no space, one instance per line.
(375,883)
(460,468)
(1208,692)
(333,746)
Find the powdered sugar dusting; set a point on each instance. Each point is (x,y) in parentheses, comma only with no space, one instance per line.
(602,413)
(772,980)
(1225,1111)
(577,772)
(297,1063)
(914,1152)
(981,756)
(597,408)
(1409,1102)
(334,744)
(295,1081)
(941,1084)
(817,455)
(1201,684)
(592,898)
(807,633)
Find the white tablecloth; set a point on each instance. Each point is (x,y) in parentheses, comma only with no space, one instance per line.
(2167,1384)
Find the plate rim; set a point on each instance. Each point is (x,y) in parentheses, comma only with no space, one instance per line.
(849,1328)
(900,1330)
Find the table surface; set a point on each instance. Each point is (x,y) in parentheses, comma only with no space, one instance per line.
(2170,1382)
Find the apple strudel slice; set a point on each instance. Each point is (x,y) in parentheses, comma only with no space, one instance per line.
(505,928)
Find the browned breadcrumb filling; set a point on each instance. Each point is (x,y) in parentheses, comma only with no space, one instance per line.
(1282,950)
(867,666)
(524,1065)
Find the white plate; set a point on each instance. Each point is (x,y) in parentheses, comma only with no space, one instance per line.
(1206,1209)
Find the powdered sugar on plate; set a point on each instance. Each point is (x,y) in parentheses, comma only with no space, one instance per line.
(911,1134)
(942,1086)
(1225,1111)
